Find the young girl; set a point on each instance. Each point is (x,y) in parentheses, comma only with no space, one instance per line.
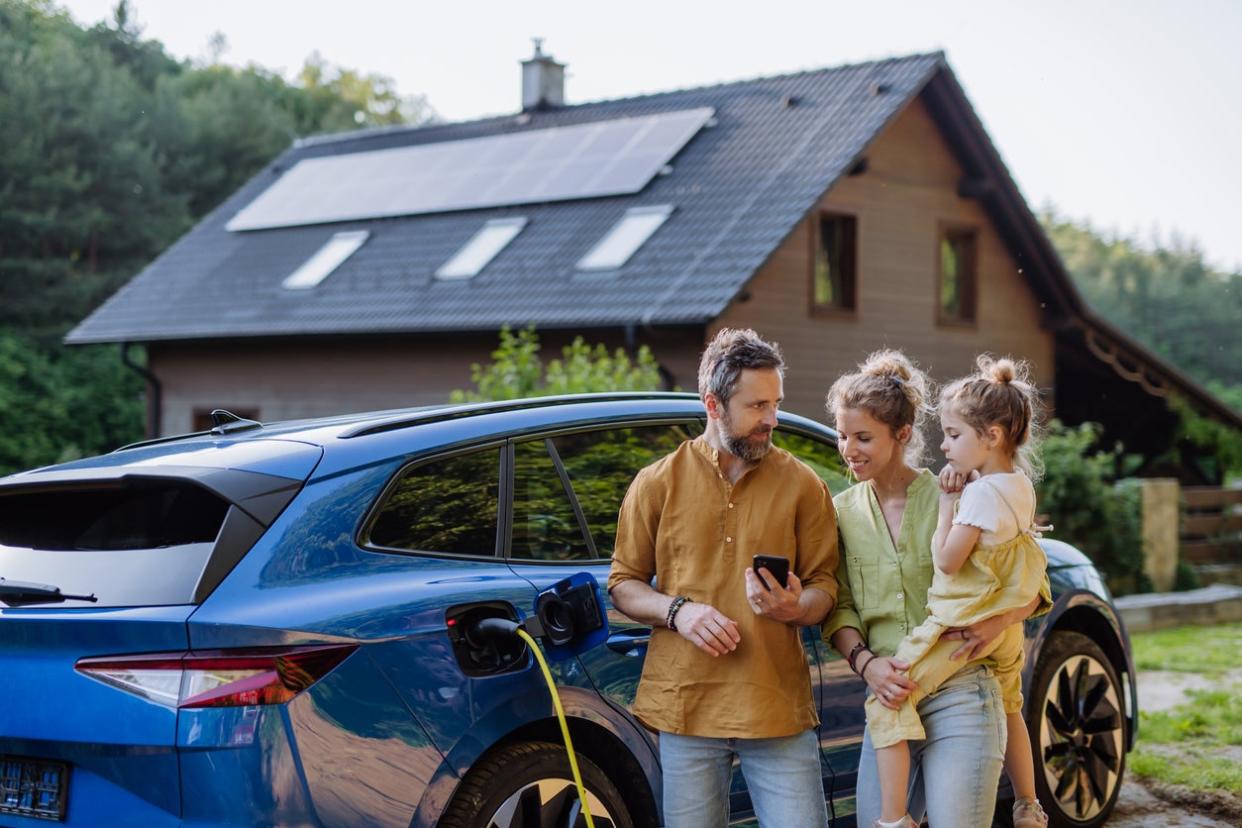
(987,564)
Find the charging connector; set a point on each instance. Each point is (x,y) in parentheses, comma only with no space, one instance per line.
(502,629)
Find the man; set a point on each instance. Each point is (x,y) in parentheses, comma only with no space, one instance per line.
(725,673)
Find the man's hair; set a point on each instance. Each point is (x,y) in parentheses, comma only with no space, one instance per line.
(730,352)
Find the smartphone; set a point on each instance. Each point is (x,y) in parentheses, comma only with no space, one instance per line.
(777,566)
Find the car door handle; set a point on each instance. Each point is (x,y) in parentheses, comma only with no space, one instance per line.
(627,641)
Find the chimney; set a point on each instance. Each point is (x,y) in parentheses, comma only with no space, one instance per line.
(543,80)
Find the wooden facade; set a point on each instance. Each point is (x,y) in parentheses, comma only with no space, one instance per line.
(904,199)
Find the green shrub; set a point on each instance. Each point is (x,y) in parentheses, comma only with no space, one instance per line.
(1090,510)
(516,370)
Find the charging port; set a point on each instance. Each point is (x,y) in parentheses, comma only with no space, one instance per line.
(484,655)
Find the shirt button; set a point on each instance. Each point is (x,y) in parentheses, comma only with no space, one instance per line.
(728,540)
(730,505)
(899,596)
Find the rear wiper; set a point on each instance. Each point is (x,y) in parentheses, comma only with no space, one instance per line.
(15,593)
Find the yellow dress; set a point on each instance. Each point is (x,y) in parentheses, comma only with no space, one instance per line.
(994,579)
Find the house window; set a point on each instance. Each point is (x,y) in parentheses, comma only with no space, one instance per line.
(626,236)
(834,274)
(483,246)
(957,263)
(327,259)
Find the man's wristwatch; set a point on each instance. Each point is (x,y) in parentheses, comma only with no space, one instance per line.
(672,612)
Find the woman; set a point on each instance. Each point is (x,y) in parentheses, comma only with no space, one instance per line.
(886,523)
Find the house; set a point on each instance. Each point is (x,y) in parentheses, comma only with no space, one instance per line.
(835,211)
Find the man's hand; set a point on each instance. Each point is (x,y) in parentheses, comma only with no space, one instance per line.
(774,601)
(707,628)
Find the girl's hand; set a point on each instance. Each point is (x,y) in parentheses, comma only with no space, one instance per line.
(887,680)
(977,636)
(953,481)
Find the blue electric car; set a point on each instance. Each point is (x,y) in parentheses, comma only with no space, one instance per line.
(271,625)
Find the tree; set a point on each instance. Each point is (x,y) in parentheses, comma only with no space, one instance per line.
(112,149)
(517,371)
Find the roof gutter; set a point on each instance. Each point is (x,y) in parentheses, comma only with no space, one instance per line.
(155,392)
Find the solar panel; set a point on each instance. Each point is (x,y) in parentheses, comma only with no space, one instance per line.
(583,161)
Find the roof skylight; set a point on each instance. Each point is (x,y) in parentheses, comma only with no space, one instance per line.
(326,259)
(626,236)
(483,246)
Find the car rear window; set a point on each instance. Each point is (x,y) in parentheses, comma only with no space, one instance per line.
(157,514)
(139,543)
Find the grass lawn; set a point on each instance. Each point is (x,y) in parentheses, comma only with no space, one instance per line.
(1211,651)
(1199,743)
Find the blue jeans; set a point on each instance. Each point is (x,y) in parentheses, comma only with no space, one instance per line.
(783,775)
(954,772)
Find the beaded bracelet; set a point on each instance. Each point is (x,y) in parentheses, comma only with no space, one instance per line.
(672,611)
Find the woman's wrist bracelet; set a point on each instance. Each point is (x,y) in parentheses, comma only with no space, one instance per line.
(853,656)
(677,604)
(862,674)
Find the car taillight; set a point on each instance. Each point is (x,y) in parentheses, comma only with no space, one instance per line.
(219,678)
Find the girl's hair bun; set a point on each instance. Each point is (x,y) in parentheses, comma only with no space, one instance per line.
(1003,370)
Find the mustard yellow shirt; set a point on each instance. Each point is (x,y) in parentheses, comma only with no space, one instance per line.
(684,524)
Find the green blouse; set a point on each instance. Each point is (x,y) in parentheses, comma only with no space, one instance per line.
(882,588)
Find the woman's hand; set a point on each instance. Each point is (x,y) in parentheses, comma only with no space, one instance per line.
(976,637)
(887,680)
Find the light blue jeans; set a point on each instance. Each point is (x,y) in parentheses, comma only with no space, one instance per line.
(783,775)
(954,772)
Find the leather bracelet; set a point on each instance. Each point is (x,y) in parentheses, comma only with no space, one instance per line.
(862,674)
(853,656)
(677,604)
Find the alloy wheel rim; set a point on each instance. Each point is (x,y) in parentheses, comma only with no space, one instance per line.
(1080,738)
(548,803)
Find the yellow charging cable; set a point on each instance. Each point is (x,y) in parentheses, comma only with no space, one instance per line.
(560,715)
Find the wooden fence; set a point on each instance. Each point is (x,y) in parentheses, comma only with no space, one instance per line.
(1211,531)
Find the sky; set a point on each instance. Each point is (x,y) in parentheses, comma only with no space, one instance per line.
(1123,113)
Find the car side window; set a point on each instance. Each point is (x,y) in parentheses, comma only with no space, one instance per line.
(545,527)
(602,464)
(447,506)
(820,455)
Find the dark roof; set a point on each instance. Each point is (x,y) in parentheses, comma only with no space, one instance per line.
(738,187)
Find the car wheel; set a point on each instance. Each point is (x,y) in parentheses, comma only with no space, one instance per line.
(1078,731)
(530,785)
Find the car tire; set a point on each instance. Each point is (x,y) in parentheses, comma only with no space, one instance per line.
(530,785)
(1078,731)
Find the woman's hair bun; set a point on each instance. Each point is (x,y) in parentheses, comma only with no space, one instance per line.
(888,363)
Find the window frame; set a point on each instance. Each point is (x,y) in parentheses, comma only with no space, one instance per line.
(584,526)
(945,231)
(504,472)
(816,244)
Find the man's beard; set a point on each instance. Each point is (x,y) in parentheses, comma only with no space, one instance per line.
(741,446)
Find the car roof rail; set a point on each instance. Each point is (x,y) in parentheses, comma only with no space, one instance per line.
(454,412)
